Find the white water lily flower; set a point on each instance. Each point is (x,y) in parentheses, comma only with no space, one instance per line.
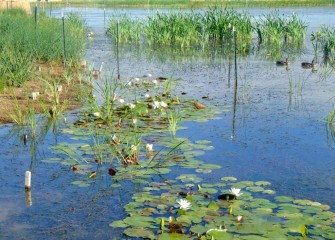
(147,95)
(134,121)
(149,147)
(129,83)
(155,82)
(184,204)
(131,106)
(156,104)
(121,100)
(137,79)
(163,104)
(149,75)
(114,138)
(239,218)
(235,191)
(96,114)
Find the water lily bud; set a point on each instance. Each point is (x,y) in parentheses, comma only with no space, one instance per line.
(96,114)
(149,147)
(163,104)
(162,224)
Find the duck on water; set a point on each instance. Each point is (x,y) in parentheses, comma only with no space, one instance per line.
(285,62)
(308,65)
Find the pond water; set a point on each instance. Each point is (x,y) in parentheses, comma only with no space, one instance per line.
(278,136)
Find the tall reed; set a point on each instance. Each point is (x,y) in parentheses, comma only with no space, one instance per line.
(325,38)
(23,43)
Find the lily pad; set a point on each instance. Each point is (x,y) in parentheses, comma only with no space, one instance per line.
(139,233)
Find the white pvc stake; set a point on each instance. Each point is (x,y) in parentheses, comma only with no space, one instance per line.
(29,201)
(27,181)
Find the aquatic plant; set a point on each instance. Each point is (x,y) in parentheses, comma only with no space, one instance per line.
(185,29)
(55,107)
(153,213)
(174,119)
(31,119)
(278,33)
(125,29)
(18,117)
(325,38)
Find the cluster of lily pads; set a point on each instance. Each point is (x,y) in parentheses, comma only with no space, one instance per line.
(186,208)
(125,137)
(129,131)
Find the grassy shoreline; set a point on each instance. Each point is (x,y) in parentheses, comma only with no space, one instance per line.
(195,3)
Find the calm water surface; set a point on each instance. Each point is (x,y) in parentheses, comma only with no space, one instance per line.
(278,137)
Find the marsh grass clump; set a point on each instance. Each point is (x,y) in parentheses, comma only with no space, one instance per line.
(280,32)
(126,29)
(23,44)
(325,39)
(30,56)
(184,29)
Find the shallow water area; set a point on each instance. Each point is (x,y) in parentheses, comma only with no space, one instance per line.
(278,134)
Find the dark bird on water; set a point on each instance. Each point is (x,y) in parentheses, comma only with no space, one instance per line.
(308,65)
(283,62)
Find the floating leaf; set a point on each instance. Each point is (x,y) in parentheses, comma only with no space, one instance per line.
(171,236)
(229,179)
(139,233)
(262,183)
(118,224)
(213,206)
(139,221)
(198,229)
(81,183)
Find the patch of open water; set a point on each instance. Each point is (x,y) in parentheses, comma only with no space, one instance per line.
(278,137)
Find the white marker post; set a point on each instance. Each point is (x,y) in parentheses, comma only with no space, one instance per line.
(27,181)
(27,187)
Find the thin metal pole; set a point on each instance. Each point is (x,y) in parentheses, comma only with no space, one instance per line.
(64,53)
(35,13)
(104,18)
(235,87)
(50,8)
(117,51)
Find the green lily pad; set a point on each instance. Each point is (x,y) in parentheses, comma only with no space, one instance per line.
(118,224)
(229,179)
(81,183)
(198,229)
(139,221)
(172,236)
(139,233)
